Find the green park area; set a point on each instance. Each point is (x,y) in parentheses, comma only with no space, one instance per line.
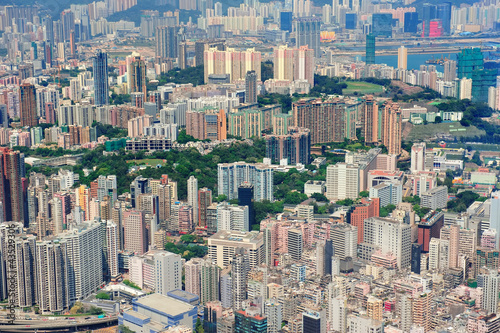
(422,132)
(147,161)
(361,88)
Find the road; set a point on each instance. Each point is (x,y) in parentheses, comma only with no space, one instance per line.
(55,325)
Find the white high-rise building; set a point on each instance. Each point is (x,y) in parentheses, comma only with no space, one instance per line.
(224,244)
(418,157)
(391,236)
(231,175)
(439,254)
(402,57)
(240,267)
(168,272)
(465,88)
(338,314)
(274,313)
(364,324)
(192,191)
(112,248)
(344,239)
(84,246)
(209,281)
(342,181)
(495,214)
(490,282)
(232,217)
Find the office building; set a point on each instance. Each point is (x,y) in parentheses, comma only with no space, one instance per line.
(411,22)
(435,198)
(245,198)
(232,175)
(192,199)
(232,218)
(223,244)
(295,146)
(166,42)
(286,21)
(370,49)
(382,25)
(136,75)
(351,21)
(429,13)
(390,236)
(134,227)
(439,250)
(100,74)
(314,321)
(307,31)
(344,239)
(402,57)
(168,272)
(443,13)
(27,104)
(234,63)
(251,87)
(389,193)
(295,243)
(342,181)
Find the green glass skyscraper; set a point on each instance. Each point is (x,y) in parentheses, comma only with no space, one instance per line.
(370,49)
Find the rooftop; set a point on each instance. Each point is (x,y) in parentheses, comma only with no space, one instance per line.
(164,304)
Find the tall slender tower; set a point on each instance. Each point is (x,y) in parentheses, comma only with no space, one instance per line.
(27,100)
(100,70)
(137,75)
(239,276)
(402,57)
(251,87)
(370,49)
(192,189)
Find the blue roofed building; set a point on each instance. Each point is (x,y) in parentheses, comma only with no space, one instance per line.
(153,313)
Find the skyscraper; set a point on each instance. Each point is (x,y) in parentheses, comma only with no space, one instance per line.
(295,146)
(295,243)
(112,244)
(342,181)
(307,31)
(294,64)
(192,191)
(251,87)
(11,192)
(392,127)
(286,21)
(411,22)
(245,198)
(239,271)
(370,49)
(101,85)
(166,42)
(231,175)
(135,231)
(232,62)
(250,320)
(402,57)
(443,12)
(27,101)
(209,281)
(382,25)
(450,70)
(204,201)
(168,272)
(137,75)
(429,13)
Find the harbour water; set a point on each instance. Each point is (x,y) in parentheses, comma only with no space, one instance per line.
(413,61)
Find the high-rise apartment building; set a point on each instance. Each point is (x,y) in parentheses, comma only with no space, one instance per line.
(101,84)
(136,75)
(27,104)
(422,311)
(168,272)
(167,42)
(209,281)
(11,191)
(239,277)
(207,123)
(307,31)
(328,121)
(250,320)
(402,57)
(223,245)
(232,175)
(392,127)
(204,201)
(112,246)
(274,313)
(344,239)
(251,87)
(232,217)
(234,63)
(342,181)
(192,192)
(295,146)
(450,70)
(490,282)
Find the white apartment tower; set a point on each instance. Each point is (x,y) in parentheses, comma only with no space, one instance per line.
(168,272)
(342,181)
(192,191)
